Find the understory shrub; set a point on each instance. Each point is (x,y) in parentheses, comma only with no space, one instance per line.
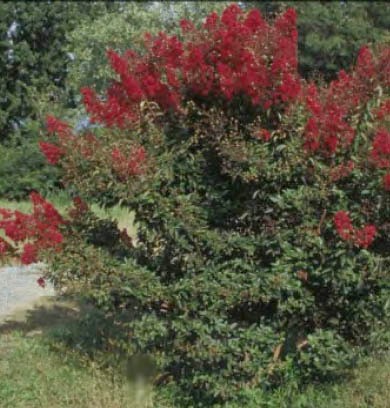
(261,203)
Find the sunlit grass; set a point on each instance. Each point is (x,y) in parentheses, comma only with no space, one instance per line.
(32,375)
(367,387)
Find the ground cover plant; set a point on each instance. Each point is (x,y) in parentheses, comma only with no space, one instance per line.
(261,202)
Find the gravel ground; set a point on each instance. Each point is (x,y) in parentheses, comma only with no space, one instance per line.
(19,288)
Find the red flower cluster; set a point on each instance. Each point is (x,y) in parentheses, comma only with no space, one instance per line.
(237,53)
(37,231)
(52,152)
(380,153)
(365,236)
(365,63)
(362,238)
(57,126)
(329,127)
(386,181)
(263,134)
(343,225)
(341,171)
(383,112)
(66,141)
(4,246)
(127,166)
(55,151)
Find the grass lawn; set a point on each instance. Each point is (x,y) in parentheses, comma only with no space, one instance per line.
(35,371)
(32,375)
(368,387)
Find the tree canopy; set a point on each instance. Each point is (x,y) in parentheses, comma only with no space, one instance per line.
(34,58)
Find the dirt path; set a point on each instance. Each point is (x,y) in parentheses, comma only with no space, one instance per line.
(19,289)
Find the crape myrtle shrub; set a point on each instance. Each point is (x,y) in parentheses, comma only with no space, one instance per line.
(262,206)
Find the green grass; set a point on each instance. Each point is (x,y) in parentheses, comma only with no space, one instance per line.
(367,387)
(32,375)
(370,387)
(38,370)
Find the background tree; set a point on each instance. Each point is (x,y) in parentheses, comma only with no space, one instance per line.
(34,63)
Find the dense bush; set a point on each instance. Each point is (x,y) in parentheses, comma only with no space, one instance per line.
(261,202)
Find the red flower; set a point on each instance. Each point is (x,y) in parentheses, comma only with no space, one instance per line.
(383,111)
(362,238)
(118,64)
(211,21)
(41,282)
(343,225)
(365,236)
(4,246)
(380,153)
(312,100)
(186,25)
(230,15)
(365,64)
(312,135)
(233,58)
(341,171)
(129,166)
(29,254)
(52,152)
(263,134)
(55,125)
(386,181)
(40,229)
(254,21)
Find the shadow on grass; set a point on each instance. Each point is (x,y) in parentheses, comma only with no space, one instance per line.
(45,315)
(73,326)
